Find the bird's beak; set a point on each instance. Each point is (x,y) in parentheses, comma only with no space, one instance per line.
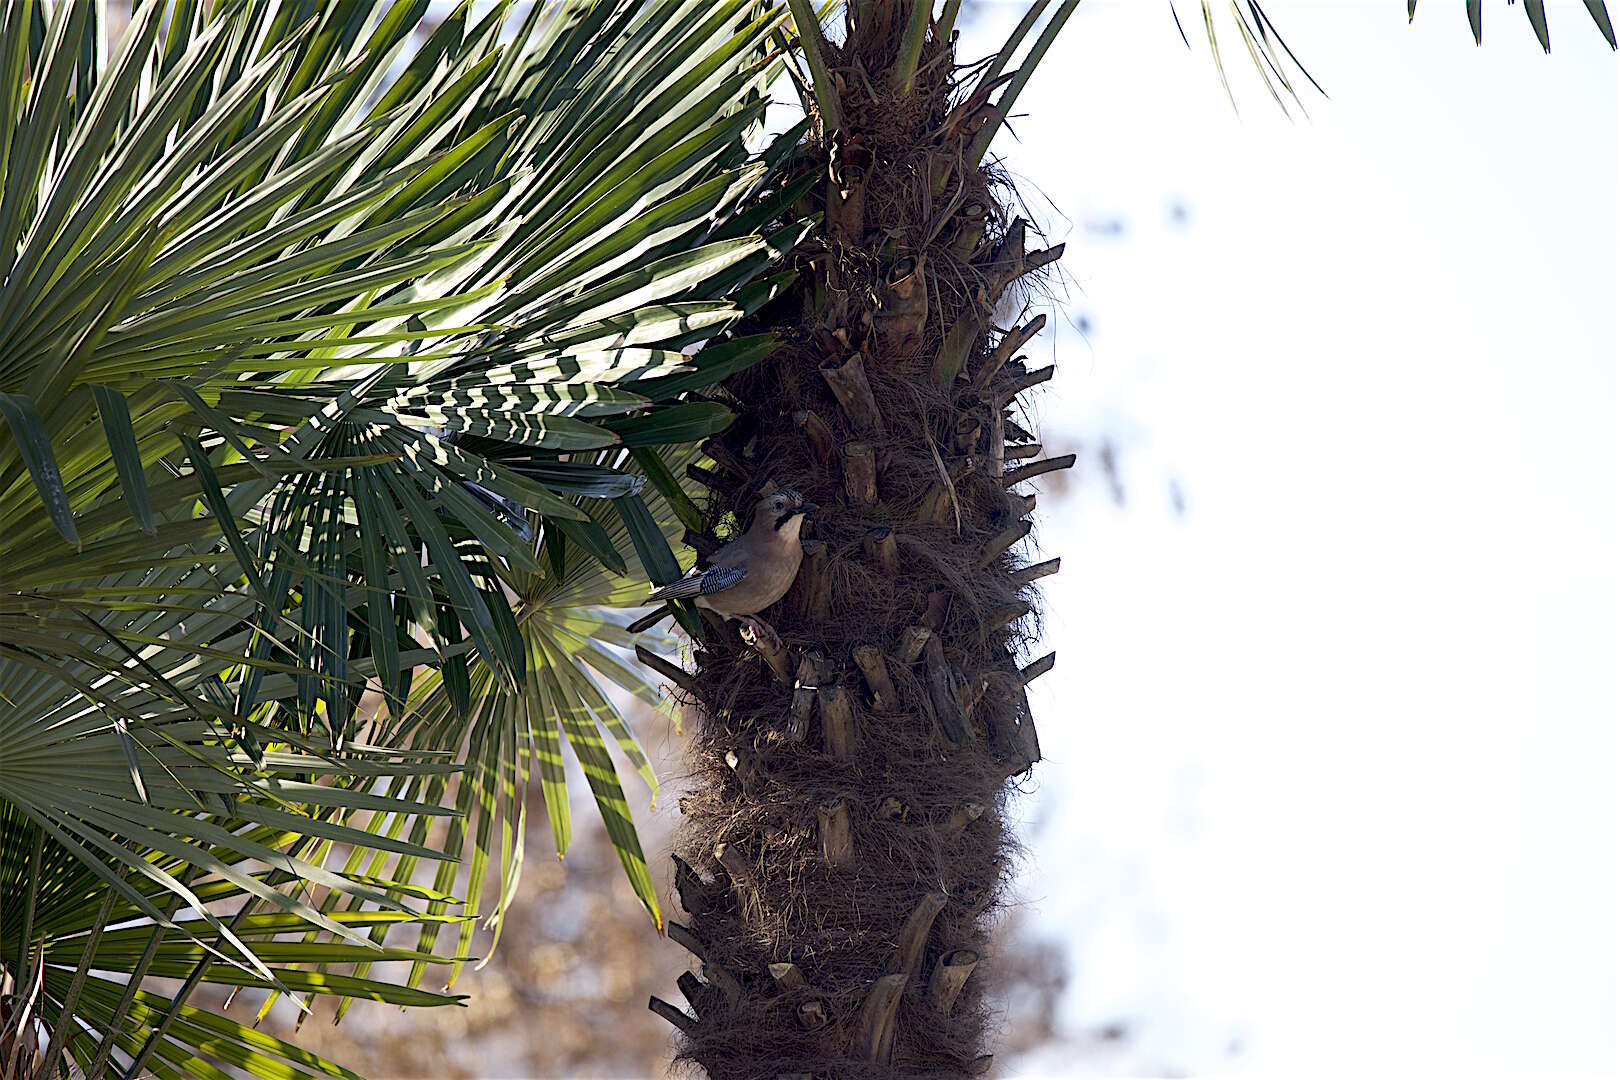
(808,508)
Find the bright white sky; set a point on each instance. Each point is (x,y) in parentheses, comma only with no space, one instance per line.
(1331,761)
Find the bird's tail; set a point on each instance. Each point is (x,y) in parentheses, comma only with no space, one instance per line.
(684,589)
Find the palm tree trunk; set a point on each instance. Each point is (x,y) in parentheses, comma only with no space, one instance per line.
(845,846)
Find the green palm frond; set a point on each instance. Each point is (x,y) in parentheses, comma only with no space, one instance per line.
(578,662)
(245,246)
(334,358)
(1261,40)
(128,785)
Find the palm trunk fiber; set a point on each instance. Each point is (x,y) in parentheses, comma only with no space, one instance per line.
(845,845)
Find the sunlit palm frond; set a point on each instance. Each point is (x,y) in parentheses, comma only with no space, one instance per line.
(254,231)
(632,501)
(1269,53)
(332,356)
(579,673)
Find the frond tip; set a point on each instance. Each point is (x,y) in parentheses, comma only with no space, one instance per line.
(1536,12)
(1257,32)
(1262,42)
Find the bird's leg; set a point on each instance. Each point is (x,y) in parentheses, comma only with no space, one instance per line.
(768,643)
(757,628)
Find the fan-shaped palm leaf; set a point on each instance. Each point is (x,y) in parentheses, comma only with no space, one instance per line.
(302,262)
(128,784)
(323,350)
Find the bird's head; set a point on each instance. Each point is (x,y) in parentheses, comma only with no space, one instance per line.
(781,507)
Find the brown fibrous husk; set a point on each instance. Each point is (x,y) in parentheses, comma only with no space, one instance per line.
(841,924)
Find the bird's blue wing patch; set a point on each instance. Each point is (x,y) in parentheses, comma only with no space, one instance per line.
(700,583)
(716,578)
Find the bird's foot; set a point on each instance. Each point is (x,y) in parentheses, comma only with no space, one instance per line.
(755,629)
(762,637)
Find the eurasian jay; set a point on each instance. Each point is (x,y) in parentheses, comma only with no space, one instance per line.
(754,571)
